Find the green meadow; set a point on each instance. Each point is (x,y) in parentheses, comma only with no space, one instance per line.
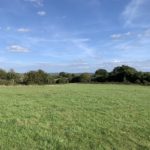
(75,117)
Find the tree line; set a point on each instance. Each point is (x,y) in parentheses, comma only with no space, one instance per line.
(120,74)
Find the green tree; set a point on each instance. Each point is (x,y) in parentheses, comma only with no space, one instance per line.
(12,76)
(85,77)
(36,77)
(101,75)
(123,73)
(3,74)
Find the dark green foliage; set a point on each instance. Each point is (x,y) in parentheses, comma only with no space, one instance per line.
(101,75)
(36,77)
(75,79)
(85,77)
(51,79)
(62,74)
(4,82)
(13,77)
(101,72)
(123,73)
(3,74)
(146,76)
(62,80)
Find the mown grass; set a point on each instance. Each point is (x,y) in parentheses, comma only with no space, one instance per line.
(75,117)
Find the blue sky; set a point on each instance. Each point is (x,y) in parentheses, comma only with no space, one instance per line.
(74,35)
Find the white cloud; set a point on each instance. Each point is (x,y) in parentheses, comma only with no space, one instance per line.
(81,40)
(120,35)
(128,33)
(116,36)
(23,30)
(41,13)
(17,49)
(116,61)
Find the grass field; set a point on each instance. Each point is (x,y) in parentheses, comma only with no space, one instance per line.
(75,117)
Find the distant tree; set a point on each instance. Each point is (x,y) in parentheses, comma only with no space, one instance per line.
(62,80)
(62,74)
(123,73)
(136,77)
(11,75)
(146,78)
(101,75)
(101,72)
(75,79)
(3,74)
(20,78)
(51,79)
(36,77)
(68,76)
(85,77)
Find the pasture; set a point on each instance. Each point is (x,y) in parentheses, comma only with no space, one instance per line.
(75,117)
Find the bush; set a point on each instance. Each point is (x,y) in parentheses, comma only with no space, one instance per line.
(5,82)
(62,81)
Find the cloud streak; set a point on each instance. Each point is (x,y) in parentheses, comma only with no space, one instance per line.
(39,3)
(41,13)
(135,12)
(17,49)
(120,35)
(23,30)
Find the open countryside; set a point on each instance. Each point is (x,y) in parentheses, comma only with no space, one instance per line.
(74,74)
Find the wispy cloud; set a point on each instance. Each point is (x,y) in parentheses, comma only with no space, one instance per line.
(23,30)
(135,12)
(17,49)
(36,2)
(145,34)
(41,13)
(80,44)
(134,47)
(38,39)
(87,50)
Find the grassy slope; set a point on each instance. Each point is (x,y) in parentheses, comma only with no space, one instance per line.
(75,117)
